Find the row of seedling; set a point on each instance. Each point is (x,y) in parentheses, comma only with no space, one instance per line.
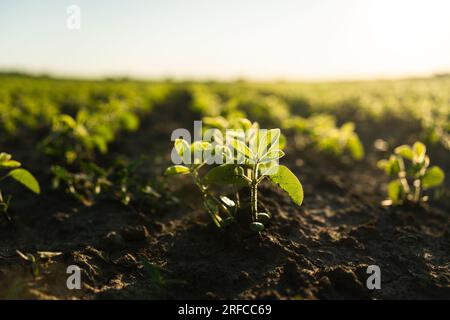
(248,158)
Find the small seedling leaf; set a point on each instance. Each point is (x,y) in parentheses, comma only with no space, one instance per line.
(215,122)
(5,157)
(433,177)
(268,141)
(200,146)
(395,191)
(287,181)
(10,164)
(182,147)
(419,150)
(241,148)
(25,178)
(391,166)
(355,147)
(256,226)
(224,174)
(178,169)
(271,156)
(268,168)
(404,151)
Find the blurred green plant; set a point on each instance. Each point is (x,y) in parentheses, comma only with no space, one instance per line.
(119,182)
(79,138)
(14,171)
(266,109)
(410,168)
(84,185)
(321,132)
(205,102)
(436,126)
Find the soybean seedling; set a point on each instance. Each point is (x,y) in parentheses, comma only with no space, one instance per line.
(250,157)
(252,164)
(409,166)
(14,171)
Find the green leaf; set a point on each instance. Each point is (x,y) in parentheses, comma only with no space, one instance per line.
(256,226)
(392,166)
(178,169)
(7,162)
(253,136)
(200,146)
(26,178)
(100,143)
(433,177)
(215,122)
(282,142)
(182,147)
(241,148)
(223,175)
(217,137)
(60,172)
(355,147)
(404,151)
(268,168)
(287,181)
(4,157)
(348,128)
(273,136)
(245,123)
(197,149)
(67,120)
(419,150)
(395,191)
(272,155)
(268,141)
(10,164)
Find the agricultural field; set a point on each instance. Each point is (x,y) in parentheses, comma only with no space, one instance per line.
(87,178)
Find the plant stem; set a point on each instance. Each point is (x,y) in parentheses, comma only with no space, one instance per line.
(236,196)
(417,188)
(254,200)
(402,177)
(254,192)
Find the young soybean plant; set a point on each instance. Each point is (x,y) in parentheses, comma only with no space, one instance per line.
(409,166)
(252,164)
(13,171)
(255,158)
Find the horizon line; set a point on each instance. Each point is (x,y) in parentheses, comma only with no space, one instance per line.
(237,78)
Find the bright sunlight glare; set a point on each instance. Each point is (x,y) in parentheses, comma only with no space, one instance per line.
(304,39)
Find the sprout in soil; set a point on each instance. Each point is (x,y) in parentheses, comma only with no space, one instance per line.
(14,171)
(410,168)
(249,158)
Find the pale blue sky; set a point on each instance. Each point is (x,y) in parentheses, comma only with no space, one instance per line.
(263,39)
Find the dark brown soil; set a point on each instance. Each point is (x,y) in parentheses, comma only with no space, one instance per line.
(320,250)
